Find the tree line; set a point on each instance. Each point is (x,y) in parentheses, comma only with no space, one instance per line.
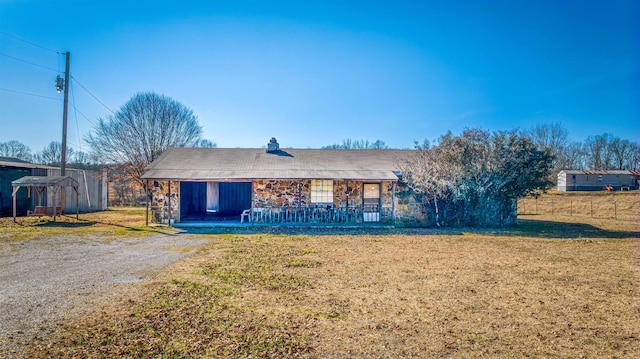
(350,144)
(598,152)
(50,155)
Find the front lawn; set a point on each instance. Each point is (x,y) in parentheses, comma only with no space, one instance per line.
(537,291)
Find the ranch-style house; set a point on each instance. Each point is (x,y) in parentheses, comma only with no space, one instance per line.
(274,185)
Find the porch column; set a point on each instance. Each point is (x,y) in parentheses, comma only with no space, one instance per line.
(251,219)
(169,204)
(299,213)
(393,202)
(346,209)
(347,194)
(146,203)
(55,194)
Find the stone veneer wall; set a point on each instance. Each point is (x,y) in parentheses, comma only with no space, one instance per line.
(293,193)
(160,200)
(340,191)
(409,206)
(281,193)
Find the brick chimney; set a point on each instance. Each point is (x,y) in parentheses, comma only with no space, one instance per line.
(273,146)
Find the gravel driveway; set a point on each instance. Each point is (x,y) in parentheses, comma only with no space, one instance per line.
(48,280)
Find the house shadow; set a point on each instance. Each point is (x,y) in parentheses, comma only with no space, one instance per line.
(524,228)
(59,224)
(553,229)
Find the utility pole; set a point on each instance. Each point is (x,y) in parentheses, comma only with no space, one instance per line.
(63,85)
(65,111)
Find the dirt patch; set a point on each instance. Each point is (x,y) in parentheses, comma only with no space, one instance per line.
(51,279)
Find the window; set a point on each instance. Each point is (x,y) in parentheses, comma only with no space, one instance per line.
(322,191)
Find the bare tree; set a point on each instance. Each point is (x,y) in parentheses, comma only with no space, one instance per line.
(434,171)
(83,160)
(635,156)
(621,153)
(15,149)
(608,152)
(349,144)
(206,144)
(552,138)
(574,156)
(593,147)
(51,154)
(141,130)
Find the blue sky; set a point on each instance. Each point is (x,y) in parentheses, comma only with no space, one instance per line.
(313,73)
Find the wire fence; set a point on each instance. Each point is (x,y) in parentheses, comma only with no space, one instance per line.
(604,208)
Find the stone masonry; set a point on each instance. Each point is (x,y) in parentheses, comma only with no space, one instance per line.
(160,200)
(297,194)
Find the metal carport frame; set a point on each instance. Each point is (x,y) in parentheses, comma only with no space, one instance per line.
(54,182)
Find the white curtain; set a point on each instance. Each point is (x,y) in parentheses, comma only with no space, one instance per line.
(213,191)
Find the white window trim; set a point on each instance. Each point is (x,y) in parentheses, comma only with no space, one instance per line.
(323,195)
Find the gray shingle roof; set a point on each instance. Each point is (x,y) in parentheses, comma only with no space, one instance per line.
(238,164)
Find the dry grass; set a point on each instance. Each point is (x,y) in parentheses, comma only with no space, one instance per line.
(112,223)
(548,288)
(467,295)
(621,205)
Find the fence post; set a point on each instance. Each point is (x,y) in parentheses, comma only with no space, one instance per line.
(571,209)
(536,205)
(591,204)
(552,207)
(615,210)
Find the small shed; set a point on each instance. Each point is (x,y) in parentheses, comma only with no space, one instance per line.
(92,187)
(585,180)
(12,169)
(40,183)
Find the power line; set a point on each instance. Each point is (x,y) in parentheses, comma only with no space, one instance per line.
(75,108)
(28,42)
(83,115)
(92,95)
(29,62)
(30,94)
(73,97)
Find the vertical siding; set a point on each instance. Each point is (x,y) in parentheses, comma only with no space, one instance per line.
(23,202)
(91,191)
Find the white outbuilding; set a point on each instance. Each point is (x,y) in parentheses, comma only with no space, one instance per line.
(584,180)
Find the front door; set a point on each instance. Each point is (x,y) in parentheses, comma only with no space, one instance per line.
(371,202)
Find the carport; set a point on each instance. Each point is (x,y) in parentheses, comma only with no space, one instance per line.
(40,183)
